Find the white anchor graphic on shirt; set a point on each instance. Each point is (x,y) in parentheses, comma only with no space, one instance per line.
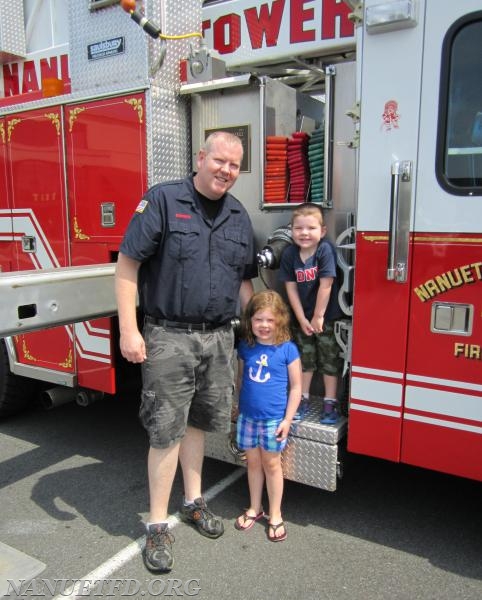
(262,362)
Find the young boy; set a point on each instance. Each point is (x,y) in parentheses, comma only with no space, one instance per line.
(308,269)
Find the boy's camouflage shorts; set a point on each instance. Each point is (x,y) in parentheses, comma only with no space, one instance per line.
(319,352)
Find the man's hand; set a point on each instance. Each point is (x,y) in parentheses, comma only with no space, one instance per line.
(132,347)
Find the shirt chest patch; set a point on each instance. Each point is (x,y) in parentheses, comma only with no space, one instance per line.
(141,206)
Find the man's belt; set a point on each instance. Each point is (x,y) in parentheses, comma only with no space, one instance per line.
(186,326)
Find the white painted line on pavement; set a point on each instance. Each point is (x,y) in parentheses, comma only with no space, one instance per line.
(105,570)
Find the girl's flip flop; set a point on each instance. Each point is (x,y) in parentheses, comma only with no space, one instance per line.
(248,521)
(272,529)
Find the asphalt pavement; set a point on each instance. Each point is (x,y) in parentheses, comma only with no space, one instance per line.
(73,495)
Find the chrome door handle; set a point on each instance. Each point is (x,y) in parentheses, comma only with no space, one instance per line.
(399,230)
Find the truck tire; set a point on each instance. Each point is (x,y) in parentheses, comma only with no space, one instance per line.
(16,393)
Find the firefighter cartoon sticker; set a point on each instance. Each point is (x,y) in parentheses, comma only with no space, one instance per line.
(390,116)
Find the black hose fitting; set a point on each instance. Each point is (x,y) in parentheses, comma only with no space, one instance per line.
(148,26)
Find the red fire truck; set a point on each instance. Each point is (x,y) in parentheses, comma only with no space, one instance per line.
(89,121)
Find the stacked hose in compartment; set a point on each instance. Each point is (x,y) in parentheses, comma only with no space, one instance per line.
(294,168)
(316,148)
(276,169)
(298,167)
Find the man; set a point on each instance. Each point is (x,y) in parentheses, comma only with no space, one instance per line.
(189,252)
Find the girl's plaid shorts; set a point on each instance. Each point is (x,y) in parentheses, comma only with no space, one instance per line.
(254,433)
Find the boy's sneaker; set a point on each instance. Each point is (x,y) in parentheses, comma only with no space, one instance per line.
(199,514)
(331,413)
(302,410)
(157,554)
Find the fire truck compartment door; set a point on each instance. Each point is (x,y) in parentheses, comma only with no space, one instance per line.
(390,75)
(6,224)
(35,167)
(416,392)
(442,416)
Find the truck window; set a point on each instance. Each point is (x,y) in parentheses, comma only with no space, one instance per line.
(459,146)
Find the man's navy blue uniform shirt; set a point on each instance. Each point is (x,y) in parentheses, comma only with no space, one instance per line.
(191,268)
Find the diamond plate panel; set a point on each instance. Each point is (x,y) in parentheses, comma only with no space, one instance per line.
(167,114)
(310,427)
(311,463)
(125,70)
(169,135)
(12,31)
(139,64)
(169,141)
(176,17)
(217,446)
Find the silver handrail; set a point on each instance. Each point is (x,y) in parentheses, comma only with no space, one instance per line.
(34,300)
(399,229)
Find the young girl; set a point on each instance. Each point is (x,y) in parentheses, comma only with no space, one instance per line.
(270,392)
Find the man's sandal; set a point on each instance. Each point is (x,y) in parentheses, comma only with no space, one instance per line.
(247,521)
(272,529)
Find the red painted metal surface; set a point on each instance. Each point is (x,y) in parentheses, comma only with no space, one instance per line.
(442,270)
(36,177)
(106,161)
(415,392)
(106,165)
(6,234)
(379,350)
(442,426)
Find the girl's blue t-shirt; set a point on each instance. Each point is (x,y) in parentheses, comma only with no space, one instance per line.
(265,381)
